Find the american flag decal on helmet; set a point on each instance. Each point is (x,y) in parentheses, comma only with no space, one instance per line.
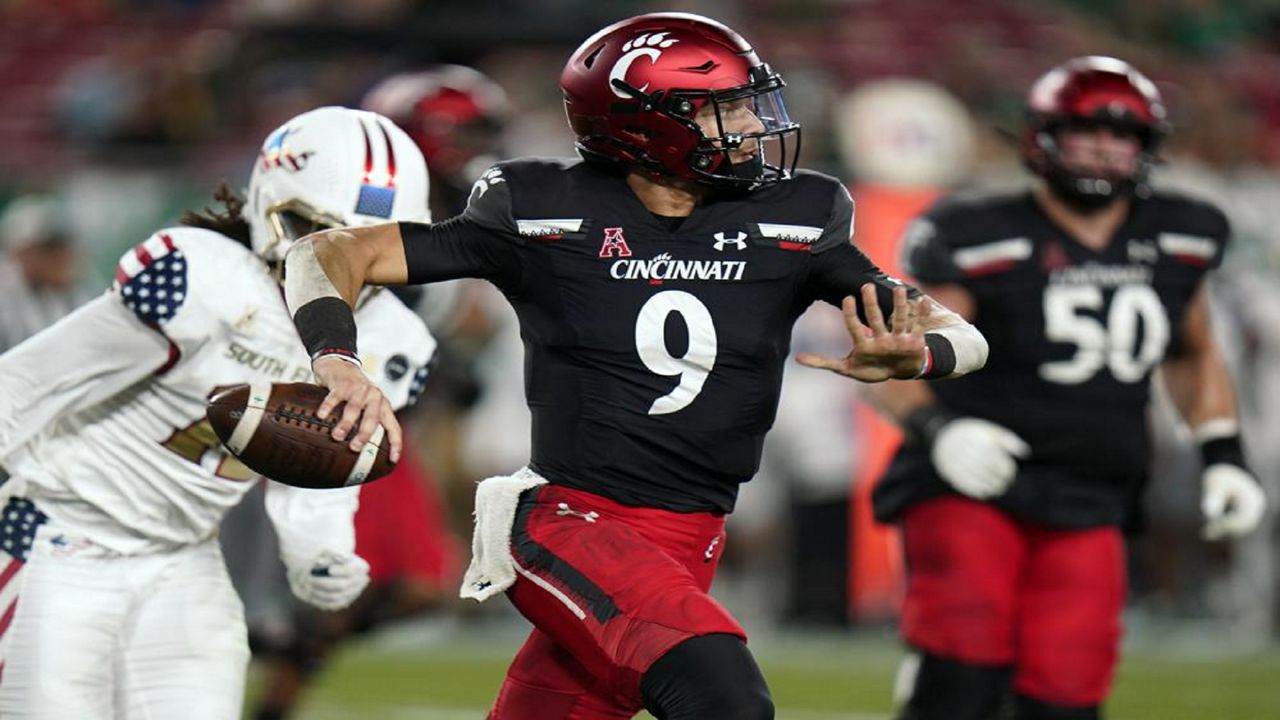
(377,188)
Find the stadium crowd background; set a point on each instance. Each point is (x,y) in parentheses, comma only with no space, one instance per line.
(127,112)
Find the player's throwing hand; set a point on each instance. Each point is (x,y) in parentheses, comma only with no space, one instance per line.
(880,352)
(365,404)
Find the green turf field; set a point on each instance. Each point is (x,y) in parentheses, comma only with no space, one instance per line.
(820,678)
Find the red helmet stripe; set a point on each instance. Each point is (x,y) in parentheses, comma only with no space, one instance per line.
(368,155)
(391,157)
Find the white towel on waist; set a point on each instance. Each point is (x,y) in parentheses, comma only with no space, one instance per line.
(492,569)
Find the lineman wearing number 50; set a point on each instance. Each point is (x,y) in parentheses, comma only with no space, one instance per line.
(656,282)
(1014,484)
(120,604)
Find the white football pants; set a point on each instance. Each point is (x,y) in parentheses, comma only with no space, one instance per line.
(98,636)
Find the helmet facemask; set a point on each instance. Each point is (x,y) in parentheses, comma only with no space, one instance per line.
(717,159)
(776,145)
(290,221)
(1091,191)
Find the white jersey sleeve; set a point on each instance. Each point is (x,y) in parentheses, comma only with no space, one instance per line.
(95,352)
(396,348)
(308,522)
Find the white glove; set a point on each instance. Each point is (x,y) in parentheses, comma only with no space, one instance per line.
(1232,501)
(977,457)
(330,581)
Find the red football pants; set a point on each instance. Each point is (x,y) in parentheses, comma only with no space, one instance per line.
(987,589)
(609,590)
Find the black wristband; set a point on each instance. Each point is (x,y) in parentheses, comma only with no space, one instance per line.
(923,423)
(943,356)
(1223,450)
(327,326)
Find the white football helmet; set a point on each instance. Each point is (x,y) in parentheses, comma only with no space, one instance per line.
(333,167)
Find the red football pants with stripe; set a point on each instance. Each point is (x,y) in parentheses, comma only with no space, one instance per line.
(986,589)
(609,589)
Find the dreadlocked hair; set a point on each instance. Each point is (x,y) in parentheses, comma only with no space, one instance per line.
(230,222)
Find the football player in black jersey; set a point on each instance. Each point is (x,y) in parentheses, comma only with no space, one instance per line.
(656,283)
(1013,484)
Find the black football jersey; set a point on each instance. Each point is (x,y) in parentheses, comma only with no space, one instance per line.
(654,349)
(1074,336)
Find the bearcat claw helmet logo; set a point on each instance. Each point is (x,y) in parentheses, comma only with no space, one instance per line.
(643,45)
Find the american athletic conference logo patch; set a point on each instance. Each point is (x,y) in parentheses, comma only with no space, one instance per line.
(614,243)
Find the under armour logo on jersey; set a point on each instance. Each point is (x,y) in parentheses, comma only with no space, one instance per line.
(614,242)
(492,177)
(1143,251)
(152,280)
(564,509)
(739,242)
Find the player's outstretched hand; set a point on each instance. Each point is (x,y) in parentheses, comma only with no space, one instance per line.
(880,351)
(366,407)
(1232,501)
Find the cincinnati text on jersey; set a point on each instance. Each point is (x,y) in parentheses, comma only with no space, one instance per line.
(663,267)
(1102,275)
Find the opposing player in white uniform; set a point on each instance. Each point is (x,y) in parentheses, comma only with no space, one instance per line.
(114,599)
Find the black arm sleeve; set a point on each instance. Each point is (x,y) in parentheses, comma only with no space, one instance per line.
(838,269)
(926,254)
(458,248)
(482,242)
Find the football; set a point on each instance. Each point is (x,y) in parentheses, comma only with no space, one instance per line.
(273,428)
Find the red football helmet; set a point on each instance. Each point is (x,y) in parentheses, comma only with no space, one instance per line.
(454,114)
(633,91)
(1091,92)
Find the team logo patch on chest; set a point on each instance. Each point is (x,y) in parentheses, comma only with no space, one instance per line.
(614,242)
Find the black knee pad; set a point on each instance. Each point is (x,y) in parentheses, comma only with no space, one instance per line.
(1025,708)
(709,677)
(953,690)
